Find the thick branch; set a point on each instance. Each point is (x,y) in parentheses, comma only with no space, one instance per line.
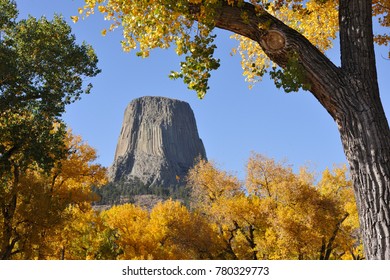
(280,42)
(231,18)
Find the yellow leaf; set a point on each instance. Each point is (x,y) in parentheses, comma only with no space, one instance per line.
(75,18)
(102,9)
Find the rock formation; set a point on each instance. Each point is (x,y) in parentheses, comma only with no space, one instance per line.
(158,143)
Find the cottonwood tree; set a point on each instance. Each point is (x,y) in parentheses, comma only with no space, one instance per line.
(42,70)
(278,214)
(289,36)
(46,203)
(169,231)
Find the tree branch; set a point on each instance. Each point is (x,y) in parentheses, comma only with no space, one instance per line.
(280,42)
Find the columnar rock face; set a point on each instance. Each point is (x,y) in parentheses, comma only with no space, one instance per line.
(158,143)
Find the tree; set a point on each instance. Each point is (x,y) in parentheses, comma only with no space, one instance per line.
(336,187)
(307,220)
(46,203)
(278,214)
(292,35)
(41,71)
(169,231)
(42,67)
(183,234)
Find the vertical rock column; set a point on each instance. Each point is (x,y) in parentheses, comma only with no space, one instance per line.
(158,142)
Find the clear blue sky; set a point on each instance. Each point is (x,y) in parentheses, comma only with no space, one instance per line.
(232,120)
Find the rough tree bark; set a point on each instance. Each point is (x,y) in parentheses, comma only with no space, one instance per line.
(349,93)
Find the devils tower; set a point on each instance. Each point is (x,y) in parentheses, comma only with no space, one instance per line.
(158,142)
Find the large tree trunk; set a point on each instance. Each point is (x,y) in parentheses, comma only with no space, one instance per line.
(364,128)
(351,96)
(365,136)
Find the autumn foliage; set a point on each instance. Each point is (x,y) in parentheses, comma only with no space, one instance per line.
(154,24)
(39,207)
(279,214)
(46,175)
(274,214)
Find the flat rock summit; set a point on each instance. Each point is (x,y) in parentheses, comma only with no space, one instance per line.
(158,142)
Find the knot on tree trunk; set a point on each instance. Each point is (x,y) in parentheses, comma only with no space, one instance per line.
(273,41)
